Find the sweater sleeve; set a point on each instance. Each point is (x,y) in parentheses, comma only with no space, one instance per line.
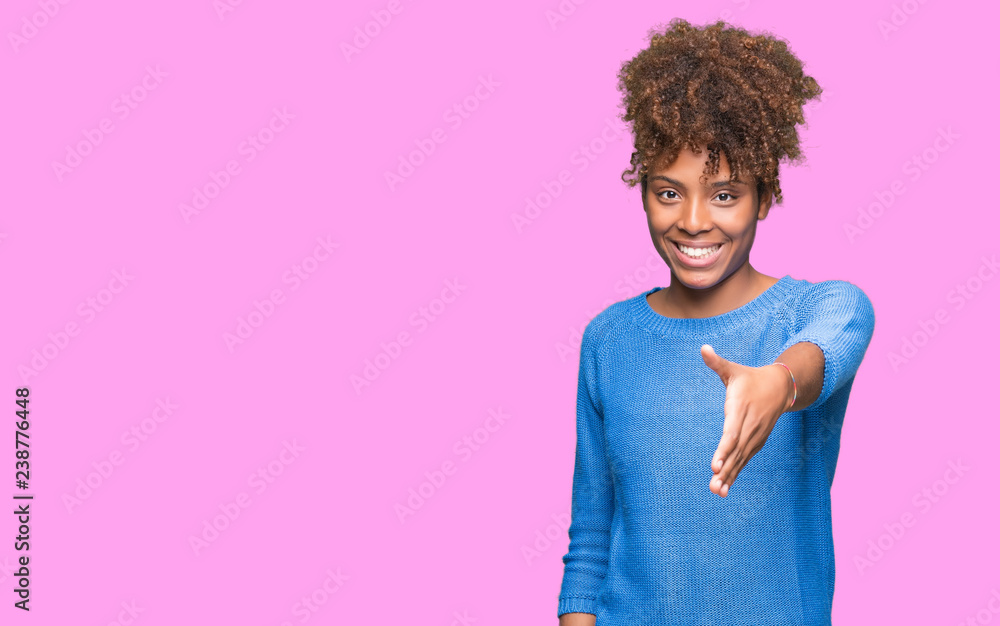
(586,563)
(838,317)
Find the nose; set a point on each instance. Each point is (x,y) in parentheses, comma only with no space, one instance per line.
(695,217)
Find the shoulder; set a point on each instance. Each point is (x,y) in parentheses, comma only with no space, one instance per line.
(829,298)
(833,292)
(611,322)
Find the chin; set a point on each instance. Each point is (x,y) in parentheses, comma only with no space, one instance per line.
(699,280)
(702,285)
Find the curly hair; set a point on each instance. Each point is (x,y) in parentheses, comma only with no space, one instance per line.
(717,86)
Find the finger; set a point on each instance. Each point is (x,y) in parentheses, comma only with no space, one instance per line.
(739,443)
(727,485)
(731,426)
(718,364)
(727,445)
(750,452)
(733,466)
(752,439)
(722,477)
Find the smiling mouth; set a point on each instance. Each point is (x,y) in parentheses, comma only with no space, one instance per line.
(697,253)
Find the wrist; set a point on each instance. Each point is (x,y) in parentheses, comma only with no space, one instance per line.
(793,390)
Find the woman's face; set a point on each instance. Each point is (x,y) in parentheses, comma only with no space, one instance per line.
(718,219)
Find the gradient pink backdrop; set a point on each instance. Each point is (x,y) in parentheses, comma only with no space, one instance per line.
(504,304)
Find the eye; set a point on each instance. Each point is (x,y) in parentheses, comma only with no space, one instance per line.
(667,191)
(728,197)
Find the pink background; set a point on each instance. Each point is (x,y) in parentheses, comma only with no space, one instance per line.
(485,544)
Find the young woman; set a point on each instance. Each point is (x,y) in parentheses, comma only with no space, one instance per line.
(727,373)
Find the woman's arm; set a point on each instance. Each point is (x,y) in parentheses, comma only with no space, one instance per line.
(577,619)
(755,398)
(593,498)
(833,326)
(806,362)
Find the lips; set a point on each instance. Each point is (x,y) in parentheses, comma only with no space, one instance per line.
(698,254)
(697,250)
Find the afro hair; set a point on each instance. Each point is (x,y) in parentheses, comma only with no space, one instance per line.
(721,87)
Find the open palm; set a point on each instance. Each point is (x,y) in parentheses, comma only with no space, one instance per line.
(755,399)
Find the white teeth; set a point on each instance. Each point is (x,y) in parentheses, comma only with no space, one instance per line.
(698,253)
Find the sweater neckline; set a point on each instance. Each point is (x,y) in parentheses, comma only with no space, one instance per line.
(646,317)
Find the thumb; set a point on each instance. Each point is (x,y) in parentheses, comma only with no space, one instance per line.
(718,364)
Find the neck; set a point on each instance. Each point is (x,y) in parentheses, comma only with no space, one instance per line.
(730,293)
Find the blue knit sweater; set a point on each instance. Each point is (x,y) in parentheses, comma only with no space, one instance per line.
(649,542)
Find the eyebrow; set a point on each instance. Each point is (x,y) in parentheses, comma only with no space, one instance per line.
(721,183)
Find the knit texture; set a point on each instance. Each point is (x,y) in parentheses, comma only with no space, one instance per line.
(649,542)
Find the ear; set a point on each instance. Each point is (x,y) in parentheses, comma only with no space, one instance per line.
(764,204)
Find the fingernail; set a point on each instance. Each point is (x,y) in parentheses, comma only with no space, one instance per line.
(725,489)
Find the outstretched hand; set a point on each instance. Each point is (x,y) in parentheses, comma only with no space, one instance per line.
(755,399)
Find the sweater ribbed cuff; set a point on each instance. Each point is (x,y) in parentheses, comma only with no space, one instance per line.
(577,605)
